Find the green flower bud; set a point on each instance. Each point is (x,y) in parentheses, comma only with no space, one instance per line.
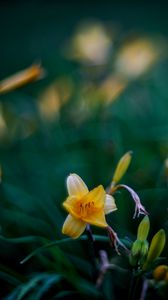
(135,251)
(122,167)
(138,253)
(133,260)
(143,229)
(156,247)
(144,252)
(144,248)
(136,248)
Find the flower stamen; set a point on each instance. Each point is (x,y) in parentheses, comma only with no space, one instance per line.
(85,209)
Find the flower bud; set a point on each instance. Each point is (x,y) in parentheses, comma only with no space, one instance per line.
(135,252)
(138,252)
(133,260)
(160,272)
(136,248)
(143,229)
(156,247)
(122,167)
(144,252)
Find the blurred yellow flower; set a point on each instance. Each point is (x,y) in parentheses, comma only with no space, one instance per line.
(136,57)
(91,44)
(3,125)
(85,207)
(160,272)
(49,104)
(34,72)
(53,98)
(112,87)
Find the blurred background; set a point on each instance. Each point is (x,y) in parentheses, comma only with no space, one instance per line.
(102,92)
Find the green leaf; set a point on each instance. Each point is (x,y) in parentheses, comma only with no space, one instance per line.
(40,249)
(52,279)
(9,278)
(24,239)
(30,285)
(65,295)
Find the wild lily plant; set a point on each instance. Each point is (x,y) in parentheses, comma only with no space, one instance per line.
(145,272)
(90,207)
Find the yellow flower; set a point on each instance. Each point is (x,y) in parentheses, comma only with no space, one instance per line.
(85,207)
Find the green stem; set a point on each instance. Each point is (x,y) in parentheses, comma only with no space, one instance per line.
(91,244)
(134,295)
(131,285)
(134,284)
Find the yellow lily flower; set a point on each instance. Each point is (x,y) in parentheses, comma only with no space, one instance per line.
(85,207)
(21,78)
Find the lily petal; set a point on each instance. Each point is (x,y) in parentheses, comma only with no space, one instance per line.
(69,203)
(109,204)
(73,227)
(76,186)
(97,195)
(97,219)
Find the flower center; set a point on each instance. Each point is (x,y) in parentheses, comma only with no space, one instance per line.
(85,209)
